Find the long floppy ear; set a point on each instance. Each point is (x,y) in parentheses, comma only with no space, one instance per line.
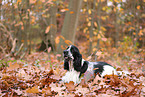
(84,68)
(77,62)
(66,65)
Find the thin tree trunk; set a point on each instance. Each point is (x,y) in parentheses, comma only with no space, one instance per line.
(116,29)
(116,26)
(91,28)
(27,29)
(99,26)
(137,24)
(70,23)
(53,25)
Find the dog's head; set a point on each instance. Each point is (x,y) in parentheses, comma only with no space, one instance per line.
(71,52)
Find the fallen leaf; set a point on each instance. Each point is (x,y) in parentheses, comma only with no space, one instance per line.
(13,66)
(47,29)
(57,39)
(57,88)
(81,90)
(19,92)
(70,86)
(49,49)
(33,90)
(47,91)
(98,80)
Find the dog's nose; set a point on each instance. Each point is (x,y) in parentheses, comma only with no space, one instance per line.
(65,52)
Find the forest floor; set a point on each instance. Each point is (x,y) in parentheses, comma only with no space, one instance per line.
(39,74)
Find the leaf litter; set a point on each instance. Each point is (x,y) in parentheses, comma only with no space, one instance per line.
(41,77)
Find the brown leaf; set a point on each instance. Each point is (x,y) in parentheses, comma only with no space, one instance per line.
(70,86)
(13,66)
(98,80)
(19,92)
(50,73)
(47,91)
(81,90)
(47,29)
(33,90)
(57,39)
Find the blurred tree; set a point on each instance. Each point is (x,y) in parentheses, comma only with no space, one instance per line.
(103,24)
(70,23)
(53,25)
(91,28)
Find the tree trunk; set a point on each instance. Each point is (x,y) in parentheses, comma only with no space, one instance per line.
(116,29)
(99,26)
(53,26)
(91,27)
(70,23)
(27,28)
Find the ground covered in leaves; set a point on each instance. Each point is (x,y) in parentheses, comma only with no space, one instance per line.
(40,75)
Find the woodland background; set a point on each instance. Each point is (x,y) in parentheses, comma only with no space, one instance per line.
(34,33)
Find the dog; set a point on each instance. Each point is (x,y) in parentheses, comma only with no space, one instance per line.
(77,67)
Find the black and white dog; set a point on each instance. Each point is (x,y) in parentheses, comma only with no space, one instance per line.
(76,66)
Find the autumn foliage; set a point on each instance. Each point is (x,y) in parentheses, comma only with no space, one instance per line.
(108,30)
(40,75)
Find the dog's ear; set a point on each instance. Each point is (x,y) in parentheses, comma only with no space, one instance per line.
(84,67)
(66,65)
(75,51)
(77,62)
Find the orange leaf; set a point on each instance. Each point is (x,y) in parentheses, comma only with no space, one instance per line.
(95,24)
(140,33)
(33,90)
(98,53)
(47,90)
(58,55)
(62,37)
(89,23)
(47,29)
(89,57)
(49,49)
(68,42)
(63,10)
(89,11)
(43,1)
(138,7)
(22,41)
(95,68)
(18,1)
(71,12)
(32,1)
(104,39)
(12,66)
(22,28)
(57,39)
(70,86)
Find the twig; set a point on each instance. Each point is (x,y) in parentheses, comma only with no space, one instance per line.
(19,49)
(3,49)
(13,45)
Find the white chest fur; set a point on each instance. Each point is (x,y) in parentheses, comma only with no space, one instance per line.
(71,75)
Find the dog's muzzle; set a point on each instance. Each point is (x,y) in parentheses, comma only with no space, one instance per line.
(66,55)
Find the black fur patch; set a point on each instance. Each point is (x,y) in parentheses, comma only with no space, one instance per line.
(66,65)
(84,68)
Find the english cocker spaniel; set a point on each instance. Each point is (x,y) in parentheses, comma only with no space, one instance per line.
(77,67)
